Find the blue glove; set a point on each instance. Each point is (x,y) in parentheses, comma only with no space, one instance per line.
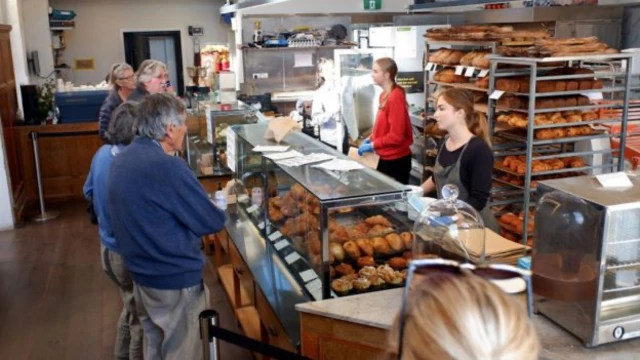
(365,148)
(367,141)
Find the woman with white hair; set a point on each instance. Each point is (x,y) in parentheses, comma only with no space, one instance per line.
(122,80)
(151,78)
(325,111)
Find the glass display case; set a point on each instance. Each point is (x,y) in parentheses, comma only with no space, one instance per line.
(205,145)
(586,258)
(337,233)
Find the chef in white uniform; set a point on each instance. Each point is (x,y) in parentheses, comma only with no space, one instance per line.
(325,112)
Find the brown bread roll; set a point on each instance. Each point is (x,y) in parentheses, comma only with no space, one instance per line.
(381,246)
(395,242)
(351,249)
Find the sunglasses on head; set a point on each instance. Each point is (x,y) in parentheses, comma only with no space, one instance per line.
(491,272)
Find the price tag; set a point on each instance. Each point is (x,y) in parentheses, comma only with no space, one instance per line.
(243,198)
(496,94)
(483,73)
(428,67)
(261,226)
(252,209)
(308,275)
(614,180)
(291,258)
(459,70)
(275,236)
(315,288)
(470,71)
(281,245)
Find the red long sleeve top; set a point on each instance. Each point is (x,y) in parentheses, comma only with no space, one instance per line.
(392,135)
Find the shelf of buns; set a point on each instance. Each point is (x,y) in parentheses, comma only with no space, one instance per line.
(558,59)
(445,42)
(543,137)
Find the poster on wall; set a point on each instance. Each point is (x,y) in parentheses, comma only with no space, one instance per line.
(411,81)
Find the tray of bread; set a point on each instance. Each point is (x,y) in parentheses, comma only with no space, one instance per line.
(473,33)
(570,47)
(517,165)
(521,84)
(509,101)
(515,222)
(517,181)
(450,57)
(571,118)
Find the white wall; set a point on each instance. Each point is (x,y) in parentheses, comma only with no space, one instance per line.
(100,23)
(37,37)
(326,7)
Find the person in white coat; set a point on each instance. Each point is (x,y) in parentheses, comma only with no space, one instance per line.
(325,111)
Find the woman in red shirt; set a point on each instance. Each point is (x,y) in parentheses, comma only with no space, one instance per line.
(392,135)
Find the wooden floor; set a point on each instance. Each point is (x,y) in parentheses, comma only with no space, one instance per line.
(55,300)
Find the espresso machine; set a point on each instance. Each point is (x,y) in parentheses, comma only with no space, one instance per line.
(586,258)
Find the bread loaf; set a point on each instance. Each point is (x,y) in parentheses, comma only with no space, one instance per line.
(481,62)
(561,86)
(449,76)
(508,85)
(572,85)
(511,102)
(571,101)
(585,84)
(597,84)
(544,103)
(545,86)
(559,102)
(483,82)
(583,100)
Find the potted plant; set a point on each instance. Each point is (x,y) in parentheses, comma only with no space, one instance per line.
(46,94)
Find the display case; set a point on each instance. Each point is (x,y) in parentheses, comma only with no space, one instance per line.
(205,145)
(586,258)
(338,233)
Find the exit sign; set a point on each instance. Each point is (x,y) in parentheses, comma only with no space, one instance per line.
(372,4)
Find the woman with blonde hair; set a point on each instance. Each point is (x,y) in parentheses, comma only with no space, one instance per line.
(392,134)
(122,81)
(464,158)
(463,317)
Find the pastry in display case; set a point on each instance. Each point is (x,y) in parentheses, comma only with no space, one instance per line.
(339,233)
(586,257)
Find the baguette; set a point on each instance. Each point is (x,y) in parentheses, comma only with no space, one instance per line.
(570,41)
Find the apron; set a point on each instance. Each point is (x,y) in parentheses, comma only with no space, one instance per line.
(451,175)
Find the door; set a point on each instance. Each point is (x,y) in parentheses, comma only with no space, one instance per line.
(164,46)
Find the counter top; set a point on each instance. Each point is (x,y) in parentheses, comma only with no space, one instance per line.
(379,310)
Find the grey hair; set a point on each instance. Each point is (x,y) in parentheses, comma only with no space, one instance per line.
(156,112)
(123,124)
(148,70)
(117,73)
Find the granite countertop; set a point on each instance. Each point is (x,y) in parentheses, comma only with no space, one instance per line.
(379,310)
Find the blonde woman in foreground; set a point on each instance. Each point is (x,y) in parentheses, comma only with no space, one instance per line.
(463,317)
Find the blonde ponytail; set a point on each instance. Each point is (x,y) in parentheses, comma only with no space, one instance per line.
(479,126)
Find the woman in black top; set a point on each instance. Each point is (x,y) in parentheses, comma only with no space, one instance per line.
(464,157)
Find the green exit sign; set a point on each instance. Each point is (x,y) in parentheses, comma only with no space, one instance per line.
(372,4)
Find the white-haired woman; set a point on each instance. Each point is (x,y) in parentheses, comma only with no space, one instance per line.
(122,80)
(151,78)
(462,317)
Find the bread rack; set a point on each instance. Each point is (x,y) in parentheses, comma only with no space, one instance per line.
(535,69)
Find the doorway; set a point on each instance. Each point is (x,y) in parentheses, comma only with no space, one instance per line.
(163,46)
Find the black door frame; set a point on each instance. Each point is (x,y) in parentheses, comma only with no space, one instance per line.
(133,60)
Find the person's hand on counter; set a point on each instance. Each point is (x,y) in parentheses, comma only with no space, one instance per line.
(428,186)
(366,147)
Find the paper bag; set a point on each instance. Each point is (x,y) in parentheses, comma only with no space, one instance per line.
(368,159)
(280,127)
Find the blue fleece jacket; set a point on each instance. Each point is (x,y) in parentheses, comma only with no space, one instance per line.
(158,213)
(95,188)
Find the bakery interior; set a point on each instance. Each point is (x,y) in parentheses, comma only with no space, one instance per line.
(313,260)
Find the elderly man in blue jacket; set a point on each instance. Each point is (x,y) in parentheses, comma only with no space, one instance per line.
(158,212)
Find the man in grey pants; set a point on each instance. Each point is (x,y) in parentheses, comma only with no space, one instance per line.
(159,211)
(120,132)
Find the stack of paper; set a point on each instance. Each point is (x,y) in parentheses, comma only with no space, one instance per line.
(498,250)
(283,155)
(340,165)
(266,148)
(304,160)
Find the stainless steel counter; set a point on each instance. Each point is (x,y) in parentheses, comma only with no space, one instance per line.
(268,270)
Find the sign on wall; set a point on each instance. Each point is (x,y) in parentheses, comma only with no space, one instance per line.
(372,4)
(411,81)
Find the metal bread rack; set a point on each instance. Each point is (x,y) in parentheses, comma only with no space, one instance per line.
(535,69)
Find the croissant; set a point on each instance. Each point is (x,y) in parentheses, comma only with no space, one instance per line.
(573,118)
(589,116)
(522,169)
(351,249)
(544,134)
(395,242)
(586,130)
(366,246)
(559,133)
(381,246)
(556,164)
(577,163)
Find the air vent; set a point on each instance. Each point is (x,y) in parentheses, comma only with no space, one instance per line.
(85,64)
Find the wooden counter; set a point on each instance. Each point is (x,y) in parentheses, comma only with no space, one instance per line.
(357,327)
(64,161)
